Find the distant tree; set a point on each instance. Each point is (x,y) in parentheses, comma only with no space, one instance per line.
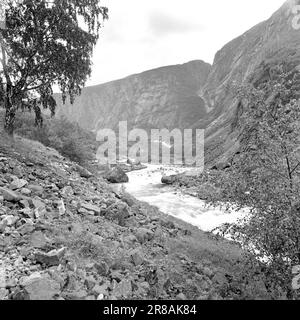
(46,43)
(265,174)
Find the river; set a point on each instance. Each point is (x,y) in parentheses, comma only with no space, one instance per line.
(145,185)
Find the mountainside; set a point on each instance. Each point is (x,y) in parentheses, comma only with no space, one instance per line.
(246,58)
(194,94)
(161,98)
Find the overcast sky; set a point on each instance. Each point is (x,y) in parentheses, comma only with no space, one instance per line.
(145,34)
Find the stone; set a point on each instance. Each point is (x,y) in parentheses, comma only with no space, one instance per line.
(39,208)
(118,212)
(9,220)
(61,207)
(26,228)
(52,258)
(208,272)
(116,175)
(169,179)
(25,191)
(84,173)
(3,225)
(137,257)
(18,184)
(143,235)
(67,191)
(38,240)
(97,290)
(36,189)
(102,268)
(90,282)
(3,294)
(2,277)
(10,195)
(40,287)
(91,208)
(77,295)
(181,296)
(123,289)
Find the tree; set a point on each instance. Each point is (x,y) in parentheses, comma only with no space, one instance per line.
(46,43)
(265,174)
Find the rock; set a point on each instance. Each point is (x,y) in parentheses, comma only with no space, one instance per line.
(9,220)
(90,282)
(137,257)
(52,258)
(208,272)
(40,287)
(36,189)
(119,212)
(116,175)
(39,208)
(181,296)
(38,240)
(18,184)
(169,179)
(220,279)
(3,294)
(67,191)
(77,295)
(102,268)
(2,277)
(127,198)
(61,207)
(84,173)
(25,191)
(143,235)
(123,289)
(97,290)
(90,208)
(3,225)
(10,195)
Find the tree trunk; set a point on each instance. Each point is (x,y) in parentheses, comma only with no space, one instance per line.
(10,114)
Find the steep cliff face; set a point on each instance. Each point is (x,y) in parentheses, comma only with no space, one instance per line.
(167,97)
(193,95)
(243,59)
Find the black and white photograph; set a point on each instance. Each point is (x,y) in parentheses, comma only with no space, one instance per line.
(149,154)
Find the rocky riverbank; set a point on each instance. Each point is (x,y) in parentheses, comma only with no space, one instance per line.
(65,234)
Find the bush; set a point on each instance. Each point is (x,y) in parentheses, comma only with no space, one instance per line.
(69,139)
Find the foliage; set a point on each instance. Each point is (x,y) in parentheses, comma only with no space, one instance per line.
(46,43)
(67,138)
(265,175)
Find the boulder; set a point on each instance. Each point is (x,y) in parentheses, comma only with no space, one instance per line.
(36,189)
(137,257)
(40,287)
(50,259)
(143,235)
(84,173)
(118,212)
(18,184)
(91,208)
(10,195)
(116,175)
(169,179)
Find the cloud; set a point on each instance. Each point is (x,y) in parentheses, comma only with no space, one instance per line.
(161,24)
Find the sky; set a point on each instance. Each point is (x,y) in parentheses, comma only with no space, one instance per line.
(146,34)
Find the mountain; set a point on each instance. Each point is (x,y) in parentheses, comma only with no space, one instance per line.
(195,94)
(247,58)
(166,97)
